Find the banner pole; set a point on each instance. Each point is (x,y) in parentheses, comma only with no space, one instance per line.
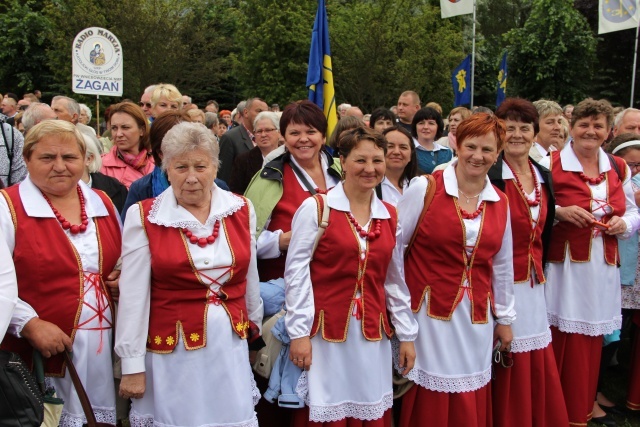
(635,60)
(473,52)
(98,115)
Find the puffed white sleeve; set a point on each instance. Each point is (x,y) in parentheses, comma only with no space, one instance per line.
(502,279)
(23,312)
(297,274)
(268,244)
(410,207)
(8,286)
(397,294)
(132,326)
(631,216)
(252,296)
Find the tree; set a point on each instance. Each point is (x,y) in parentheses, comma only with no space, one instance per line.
(553,55)
(273,46)
(24,37)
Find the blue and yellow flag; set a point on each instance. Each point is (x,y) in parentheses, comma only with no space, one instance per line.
(461,81)
(502,81)
(320,74)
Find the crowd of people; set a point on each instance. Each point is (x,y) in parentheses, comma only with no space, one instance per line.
(470,269)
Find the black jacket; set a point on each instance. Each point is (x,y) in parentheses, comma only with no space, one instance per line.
(114,189)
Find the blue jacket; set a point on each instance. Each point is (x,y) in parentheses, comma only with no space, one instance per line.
(284,375)
(272,294)
(629,254)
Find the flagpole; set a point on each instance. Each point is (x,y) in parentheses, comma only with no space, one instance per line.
(635,60)
(473,52)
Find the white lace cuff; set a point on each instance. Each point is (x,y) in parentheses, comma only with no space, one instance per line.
(592,329)
(526,344)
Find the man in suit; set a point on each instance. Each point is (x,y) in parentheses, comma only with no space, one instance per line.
(239,139)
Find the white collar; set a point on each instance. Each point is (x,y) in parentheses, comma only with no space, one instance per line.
(543,151)
(508,174)
(166,211)
(436,146)
(451,184)
(336,199)
(570,162)
(387,183)
(329,179)
(35,205)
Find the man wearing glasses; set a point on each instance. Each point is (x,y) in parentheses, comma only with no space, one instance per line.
(145,101)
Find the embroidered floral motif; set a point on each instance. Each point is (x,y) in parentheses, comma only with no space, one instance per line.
(157,340)
(194,337)
(170,340)
(242,326)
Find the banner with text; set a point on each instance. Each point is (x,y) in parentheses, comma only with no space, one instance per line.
(97,63)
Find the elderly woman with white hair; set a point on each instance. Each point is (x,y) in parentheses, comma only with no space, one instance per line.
(85,114)
(266,129)
(116,191)
(190,298)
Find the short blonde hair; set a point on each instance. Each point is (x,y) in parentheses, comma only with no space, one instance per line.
(59,128)
(167,91)
(195,113)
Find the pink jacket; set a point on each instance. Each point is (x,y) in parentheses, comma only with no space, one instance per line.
(118,169)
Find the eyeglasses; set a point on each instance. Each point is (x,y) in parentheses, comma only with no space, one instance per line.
(23,107)
(633,165)
(143,104)
(264,131)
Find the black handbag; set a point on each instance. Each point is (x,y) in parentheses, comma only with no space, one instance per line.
(21,401)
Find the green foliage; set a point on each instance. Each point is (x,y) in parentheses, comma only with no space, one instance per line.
(380,50)
(553,55)
(23,40)
(273,43)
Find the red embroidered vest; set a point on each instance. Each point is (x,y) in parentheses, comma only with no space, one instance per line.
(570,190)
(292,197)
(50,273)
(179,298)
(527,241)
(437,264)
(338,276)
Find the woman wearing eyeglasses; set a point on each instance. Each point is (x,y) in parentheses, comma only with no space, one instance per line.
(266,129)
(528,393)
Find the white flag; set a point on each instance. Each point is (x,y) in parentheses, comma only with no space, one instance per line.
(616,15)
(449,8)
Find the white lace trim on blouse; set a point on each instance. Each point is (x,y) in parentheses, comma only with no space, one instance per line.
(585,328)
(331,413)
(531,343)
(450,384)
(137,420)
(165,210)
(102,416)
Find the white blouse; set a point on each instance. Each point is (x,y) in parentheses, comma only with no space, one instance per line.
(135,280)
(269,241)
(390,193)
(8,286)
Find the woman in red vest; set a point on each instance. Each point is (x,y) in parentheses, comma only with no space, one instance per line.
(459,271)
(595,207)
(528,394)
(65,241)
(306,168)
(340,306)
(190,297)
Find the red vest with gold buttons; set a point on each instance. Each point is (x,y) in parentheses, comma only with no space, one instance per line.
(292,197)
(179,297)
(527,240)
(571,190)
(337,276)
(437,263)
(50,274)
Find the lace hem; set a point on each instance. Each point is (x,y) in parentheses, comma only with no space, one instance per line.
(102,416)
(359,411)
(137,420)
(538,342)
(450,384)
(255,392)
(340,411)
(585,328)
(233,205)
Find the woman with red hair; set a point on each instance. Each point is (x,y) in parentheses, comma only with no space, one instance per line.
(458,289)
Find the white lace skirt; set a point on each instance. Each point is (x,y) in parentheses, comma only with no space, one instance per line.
(452,356)
(211,386)
(351,379)
(531,327)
